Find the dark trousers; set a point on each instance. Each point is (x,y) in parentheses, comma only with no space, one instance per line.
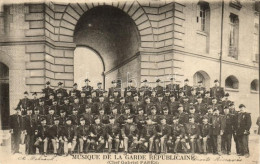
(243,144)
(29,141)
(15,142)
(216,143)
(226,143)
(237,144)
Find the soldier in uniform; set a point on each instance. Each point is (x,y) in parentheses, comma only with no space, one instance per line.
(102,116)
(83,132)
(129,97)
(141,96)
(117,96)
(205,133)
(99,89)
(147,106)
(200,106)
(59,99)
(173,105)
(193,134)
(140,119)
(41,107)
(76,105)
(130,88)
(196,116)
(207,99)
(55,134)
(69,135)
(186,88)
(193,96)
(75,89)
(114,88)
(148,134)
(242,131)
(163,132)
(117,116)
(29,127)
(135,104)
(94,97)
(62,118)
(130,134)
(160,104)
(42,137)
(16,128)
(226,101)
(103,104)
(153,96)
(166,97)
(88,115)
(34,101)
(147,90)
(87,88)
(50,117)
(49,102)
(173,88)
(217,131)
(177,136)
(182,116)
(186,104)
(36,117)
(75,117)
(215,104)
(60,89)
(166,115)
(111,104)
(217,91)
(113,134)
(200,90)
(24,103)
(82,98)
(66,106)
(97,134)
(153,116)
(122,105)
(47,90)
(158,89)
(229,121)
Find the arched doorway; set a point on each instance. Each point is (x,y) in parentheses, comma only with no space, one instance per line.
(88,64)
(4,96)
(114,35)
(201,76)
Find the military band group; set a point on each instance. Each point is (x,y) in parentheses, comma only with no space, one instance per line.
(170,119)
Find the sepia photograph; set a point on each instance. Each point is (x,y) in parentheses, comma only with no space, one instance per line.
(129,81)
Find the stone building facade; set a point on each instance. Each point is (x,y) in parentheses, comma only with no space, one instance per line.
(156,39)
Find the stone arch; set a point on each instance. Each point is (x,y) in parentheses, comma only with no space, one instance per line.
(201,76)
(254,85)
(6,59)
(232,82)
(74,11)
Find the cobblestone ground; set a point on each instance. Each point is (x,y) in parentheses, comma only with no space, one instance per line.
(6,157)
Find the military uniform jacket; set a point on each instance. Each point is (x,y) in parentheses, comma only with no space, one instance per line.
(34,103)
(243,123)
(159,106)
(69,132)
(48,91)
(129,99)
(42,132)
(163,130)
(82,100)
(147,108)
(205,130)
(76,91)
(75,119)
(62,121)
(140,120)
(186,106)
(197,117)
(134,106)
(187,90)
(29,124)
(207,100)
(50,119)
(166,99)
(88,118)
(192,129)
(193,99)
(83,131)
(16,123)
(159,89)
(177,130)
(121,108)
(36,119)
(24,104)
(201,108)
(183,117)
(49,102)
(103,118)
(174,89)
(55,132)
(217,92)
(173,107)
(56,109)
(147,90)
(201,91)
(148,131)
(130,130)
(98,130)
(112,89)
(67,108)
(217,124)
(60,101)
(154,118)
(167,117)
(130,88)
(87,90)
(99,91)
(113,130)
(225,103)
(153,99)
(64,92)
(228,122)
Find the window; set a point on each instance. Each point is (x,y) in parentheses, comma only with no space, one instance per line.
(201,76)
(203,16)
(233,36)
(256,39)
(255,85)
(231,82)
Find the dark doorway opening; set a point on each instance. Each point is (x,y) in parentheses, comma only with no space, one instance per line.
(4,97)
